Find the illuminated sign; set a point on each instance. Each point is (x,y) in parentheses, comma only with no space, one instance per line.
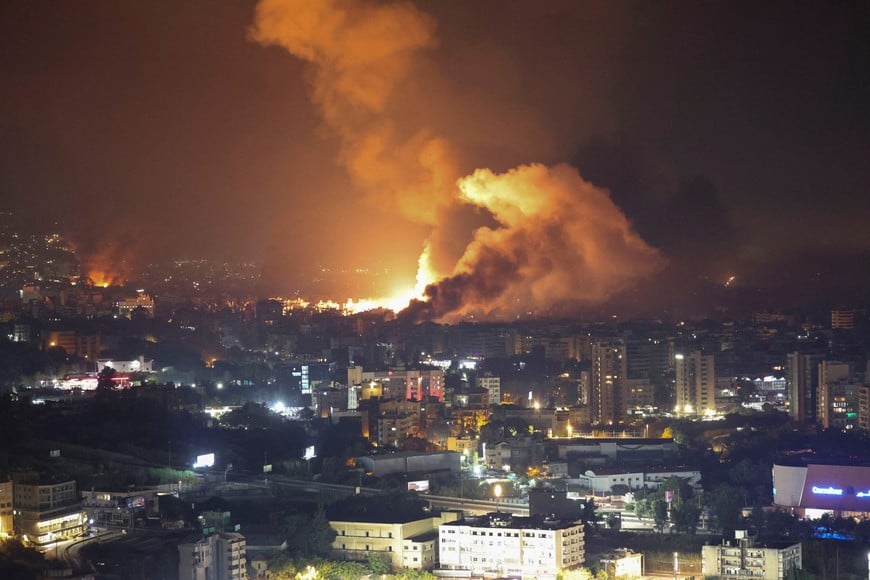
(421,486)
(135,502)
(827,490)
(863,494)
(206,460)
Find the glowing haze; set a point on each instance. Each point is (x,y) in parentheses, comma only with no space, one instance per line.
(553,242)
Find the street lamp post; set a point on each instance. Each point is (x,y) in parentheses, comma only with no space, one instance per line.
(676,564)
(497,493)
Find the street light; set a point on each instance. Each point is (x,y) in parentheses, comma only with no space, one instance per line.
(496,491)
(676,564)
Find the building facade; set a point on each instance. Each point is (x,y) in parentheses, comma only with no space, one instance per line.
(835,393)
(492,385)
(741,558)
(6,521)
(411,544)
(606,393)
(48,513)
(511,546)
(802,383)
(215,557)
(695,383)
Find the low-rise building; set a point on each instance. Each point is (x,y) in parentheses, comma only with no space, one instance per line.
(506,545)
(46,513)
(407,544)
(602,480)
(623,563)
(741,558)
(107,509)
(214,557)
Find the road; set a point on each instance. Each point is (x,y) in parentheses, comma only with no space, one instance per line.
(470,505)
(68,551)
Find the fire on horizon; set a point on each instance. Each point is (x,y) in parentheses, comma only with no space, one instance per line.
(484,159)
(554,239)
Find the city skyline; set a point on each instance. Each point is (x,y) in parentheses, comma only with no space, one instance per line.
(721,140)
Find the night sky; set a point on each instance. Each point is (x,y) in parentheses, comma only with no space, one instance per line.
(734,137)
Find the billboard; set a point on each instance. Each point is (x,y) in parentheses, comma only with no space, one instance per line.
(135,502)
(824,487)
(206,460)
(421,486)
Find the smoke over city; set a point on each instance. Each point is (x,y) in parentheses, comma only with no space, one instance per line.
(552,242)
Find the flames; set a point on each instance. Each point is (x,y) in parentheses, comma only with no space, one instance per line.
(103,268)
(546,240)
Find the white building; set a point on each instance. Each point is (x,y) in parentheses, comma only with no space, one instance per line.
(215,557)
(141,302)
(511,546)
(492,386)
(741,558)
(623,563)
(139,365)
(602,480)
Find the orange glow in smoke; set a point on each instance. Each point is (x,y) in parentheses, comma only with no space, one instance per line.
(402,298)
(100,279)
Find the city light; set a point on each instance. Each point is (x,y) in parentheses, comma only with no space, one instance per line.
(202,461)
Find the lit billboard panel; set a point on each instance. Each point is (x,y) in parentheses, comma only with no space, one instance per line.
(206,460)
(843,488)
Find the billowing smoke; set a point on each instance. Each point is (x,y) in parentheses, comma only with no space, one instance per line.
(555,241)
(361,54)
(560,244)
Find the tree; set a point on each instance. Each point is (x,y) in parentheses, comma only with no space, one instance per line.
(725,503)
(589,516)
(308,535)
(660,514)
(105,379)
(685,516)
(379,563)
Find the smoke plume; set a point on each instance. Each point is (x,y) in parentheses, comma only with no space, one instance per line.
(560,244)
(554,241)
(361,53)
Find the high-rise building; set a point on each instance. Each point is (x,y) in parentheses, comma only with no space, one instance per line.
(647,357)
(607,397)
(695,383)
(802,385)
(843,319)
(833,393)
(493,388)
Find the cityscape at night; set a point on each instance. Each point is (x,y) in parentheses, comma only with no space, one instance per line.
(423,289)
